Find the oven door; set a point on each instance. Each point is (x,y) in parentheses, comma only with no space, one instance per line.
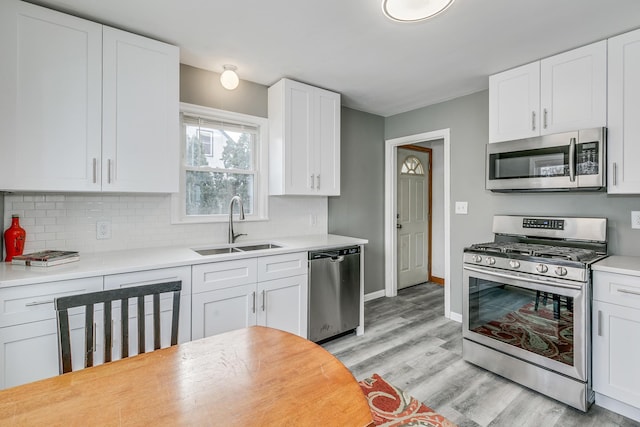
(528,317)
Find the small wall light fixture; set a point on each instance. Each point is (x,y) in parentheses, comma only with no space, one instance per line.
(414,10)
(229,79)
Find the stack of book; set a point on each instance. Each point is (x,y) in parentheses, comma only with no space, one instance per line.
(46,258)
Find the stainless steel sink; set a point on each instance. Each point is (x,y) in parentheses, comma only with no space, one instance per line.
(258,247)
(235,249)
(216,251)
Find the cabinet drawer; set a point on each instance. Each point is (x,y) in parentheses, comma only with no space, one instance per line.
(615,288)
(225,274)
(31,303)
(279,266)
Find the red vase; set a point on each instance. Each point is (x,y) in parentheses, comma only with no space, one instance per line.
(14,238)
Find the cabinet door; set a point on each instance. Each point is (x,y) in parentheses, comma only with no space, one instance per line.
(574,89)
(623,132)
(514,103)
(327,145)
(616,373)
(117,281)
(29,352)
(223,310)
(141,118)
(51,103)
(299,139)
(282,304)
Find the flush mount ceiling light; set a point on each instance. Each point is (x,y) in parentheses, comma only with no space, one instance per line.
(229,79)
(413,10)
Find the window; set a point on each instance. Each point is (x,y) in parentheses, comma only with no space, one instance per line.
(223,155)
(412,166)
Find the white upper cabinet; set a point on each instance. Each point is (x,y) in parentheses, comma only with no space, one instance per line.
(514,103)
(85,107)
(304,140)
(624,114)
(140,134)
(562,93)
(573,89)
(51,103)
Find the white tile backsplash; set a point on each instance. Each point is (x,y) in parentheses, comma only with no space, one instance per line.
(68,221)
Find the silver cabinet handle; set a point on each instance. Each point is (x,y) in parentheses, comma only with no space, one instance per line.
(253,297)
(95,170)
(533,120)
(627,291)
(95,329)
(43,302)
(318,183)
(599,323)
(544,118)
(615,174)
(109,171)
(572,160)
(312,181)
(264,300)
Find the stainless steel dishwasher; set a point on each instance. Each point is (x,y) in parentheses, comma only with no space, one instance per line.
(334,292)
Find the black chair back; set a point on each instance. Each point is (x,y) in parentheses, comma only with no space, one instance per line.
(123,295)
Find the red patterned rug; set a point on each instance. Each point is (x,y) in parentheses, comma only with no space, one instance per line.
(392,407)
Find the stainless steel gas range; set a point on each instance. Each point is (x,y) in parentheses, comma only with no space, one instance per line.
(527,306)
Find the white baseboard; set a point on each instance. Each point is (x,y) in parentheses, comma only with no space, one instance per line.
(455,316)
(618,407)
(374,295)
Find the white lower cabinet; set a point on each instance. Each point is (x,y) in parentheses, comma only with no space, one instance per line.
(283,304)
(28,330)
(616,328)
(231,295)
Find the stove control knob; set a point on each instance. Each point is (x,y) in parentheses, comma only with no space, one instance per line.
(491,260)
(514,264)
(541,268)
(561,271)
(476,258)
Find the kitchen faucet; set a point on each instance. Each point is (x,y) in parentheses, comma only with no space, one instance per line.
(232,235)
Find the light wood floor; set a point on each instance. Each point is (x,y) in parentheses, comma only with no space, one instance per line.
(412,345)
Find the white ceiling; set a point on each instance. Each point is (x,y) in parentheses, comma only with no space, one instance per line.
(348,46)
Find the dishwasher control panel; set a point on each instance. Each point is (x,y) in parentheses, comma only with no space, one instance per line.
(333,253)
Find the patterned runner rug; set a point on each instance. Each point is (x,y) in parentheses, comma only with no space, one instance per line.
(392,407)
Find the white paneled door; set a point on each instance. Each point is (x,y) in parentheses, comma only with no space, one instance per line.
(413,216)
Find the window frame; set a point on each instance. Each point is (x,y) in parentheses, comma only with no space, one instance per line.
(261,159)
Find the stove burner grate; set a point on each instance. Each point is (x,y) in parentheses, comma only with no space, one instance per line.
(537,250)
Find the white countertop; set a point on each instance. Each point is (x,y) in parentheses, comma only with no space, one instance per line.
(619,264)
(115,262)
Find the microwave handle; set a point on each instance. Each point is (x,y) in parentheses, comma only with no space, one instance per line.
(572,160)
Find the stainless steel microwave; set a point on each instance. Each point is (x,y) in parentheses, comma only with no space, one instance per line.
(559,162)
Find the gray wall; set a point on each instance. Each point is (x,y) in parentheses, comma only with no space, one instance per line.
(202,87)
(468,119)
(359,210)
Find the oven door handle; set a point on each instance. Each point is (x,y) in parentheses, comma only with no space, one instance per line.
(524,279)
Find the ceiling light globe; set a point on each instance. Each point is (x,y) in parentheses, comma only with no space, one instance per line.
(229,79)
(413,10)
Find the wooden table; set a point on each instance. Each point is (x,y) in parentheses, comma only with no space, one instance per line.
(248,377)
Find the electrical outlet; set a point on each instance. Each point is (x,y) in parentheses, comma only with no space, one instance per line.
(103,230)
(461,208)
(635,219)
